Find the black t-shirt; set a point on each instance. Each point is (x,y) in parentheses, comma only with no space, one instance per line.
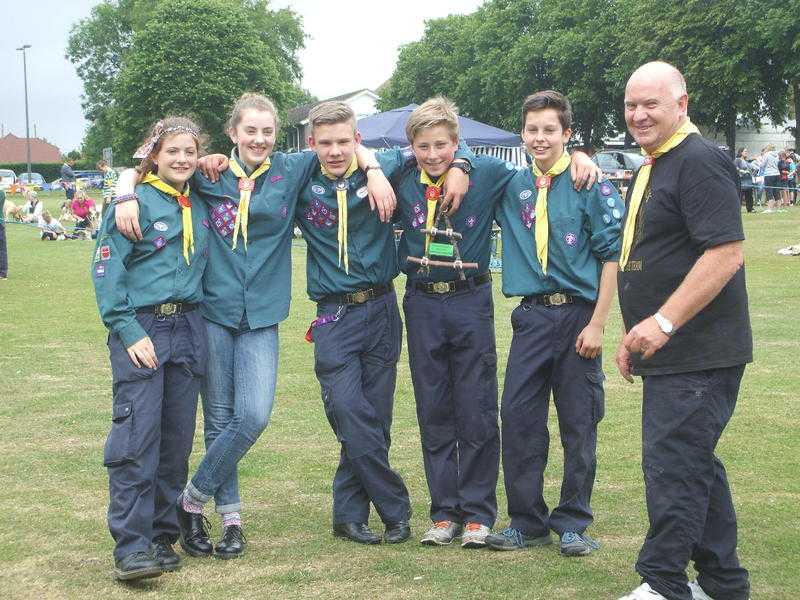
(691,204)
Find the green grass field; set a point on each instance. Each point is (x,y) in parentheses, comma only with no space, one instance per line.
(55,399)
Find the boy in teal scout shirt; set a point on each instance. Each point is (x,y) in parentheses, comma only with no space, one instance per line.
(560,248)
(147,293)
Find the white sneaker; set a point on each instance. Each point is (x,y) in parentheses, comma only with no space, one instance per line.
(441,534)
(697,592)
(474,535)
(643,592)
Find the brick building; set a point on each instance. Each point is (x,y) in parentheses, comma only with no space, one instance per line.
(13,150)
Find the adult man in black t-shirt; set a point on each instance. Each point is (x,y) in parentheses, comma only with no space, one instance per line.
(684,304)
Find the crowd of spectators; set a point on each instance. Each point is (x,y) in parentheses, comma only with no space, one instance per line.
(769,179)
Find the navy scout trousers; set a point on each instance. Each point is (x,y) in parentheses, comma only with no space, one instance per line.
(355,359)
(543,359)
(153,421)
(688,499)
(453,360)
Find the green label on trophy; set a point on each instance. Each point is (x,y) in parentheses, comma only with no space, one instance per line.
(441,249)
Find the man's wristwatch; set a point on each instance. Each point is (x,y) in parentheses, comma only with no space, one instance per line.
(664,324)
(461,165)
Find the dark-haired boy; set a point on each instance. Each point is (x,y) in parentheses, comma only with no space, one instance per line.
(560,248)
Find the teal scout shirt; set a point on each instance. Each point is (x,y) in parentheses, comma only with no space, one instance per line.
(256,280)
(129,275)
(473,220)
(370,243)
(584,233)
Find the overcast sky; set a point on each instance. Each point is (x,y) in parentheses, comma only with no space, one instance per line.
(359,38)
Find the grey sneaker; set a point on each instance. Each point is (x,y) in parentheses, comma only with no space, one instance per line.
(514,539)
(441,534)
(474,535)
(577,544)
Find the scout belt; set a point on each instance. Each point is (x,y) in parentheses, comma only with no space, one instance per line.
(554,299)
(448,287)
(360,296)
(167,309)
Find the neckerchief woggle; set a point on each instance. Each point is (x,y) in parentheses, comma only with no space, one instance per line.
(642,180)
(247,184)
(433,194)
(542,228)
(186,210)
(341,202)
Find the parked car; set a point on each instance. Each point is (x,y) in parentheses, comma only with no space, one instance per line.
(7,178)
(90,179)
(618,166)
(33,181)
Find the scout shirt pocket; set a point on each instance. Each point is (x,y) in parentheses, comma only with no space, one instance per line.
(567,235)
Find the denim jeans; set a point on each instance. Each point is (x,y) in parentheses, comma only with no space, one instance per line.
(238,393)
(3,250)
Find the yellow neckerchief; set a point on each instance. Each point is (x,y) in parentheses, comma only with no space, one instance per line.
(432,194)
(642,180)
(341,203)
(186,210)
(542,229)
(246,186)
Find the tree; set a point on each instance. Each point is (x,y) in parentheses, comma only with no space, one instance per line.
(780,30)
(716,45)
(101,48)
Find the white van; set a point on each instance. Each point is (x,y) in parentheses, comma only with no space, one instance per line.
(7,179)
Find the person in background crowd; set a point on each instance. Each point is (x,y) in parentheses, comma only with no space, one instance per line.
(68,179)
(769,167)
(746,178)
(84,210)
(109,182)
(51,228)
(32,209)
(783,170)
(3,247)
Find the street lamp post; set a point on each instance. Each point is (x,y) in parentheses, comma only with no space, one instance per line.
(27,130)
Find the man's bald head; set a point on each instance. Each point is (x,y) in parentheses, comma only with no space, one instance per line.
(656,103)
(661,72)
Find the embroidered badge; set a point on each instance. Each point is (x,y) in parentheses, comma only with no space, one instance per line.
(318,189)
(528,214)
(617,214)
(223,216)
(605,189)
(319,215)
(362,192)
(525,194)
(246,185)
(275,178)
(606,219)
(105,252)
(159,242)
(610,203)
(160,226)
(418,218)
(206,223)
(284,211)
(470,221)
(571,239)
(100,270)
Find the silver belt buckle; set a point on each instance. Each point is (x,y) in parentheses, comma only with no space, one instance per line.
(360,296)
(557,299)
(168,309)
(441,287)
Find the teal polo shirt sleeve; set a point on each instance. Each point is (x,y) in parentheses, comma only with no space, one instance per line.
(605,213)
(110,277)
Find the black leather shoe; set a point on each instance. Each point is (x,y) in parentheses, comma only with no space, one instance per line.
(166,557)
(397,532)
(232,543)
(193,535)
(139,565)
(357,532)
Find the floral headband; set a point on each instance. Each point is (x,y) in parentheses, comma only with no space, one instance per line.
(158,132)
